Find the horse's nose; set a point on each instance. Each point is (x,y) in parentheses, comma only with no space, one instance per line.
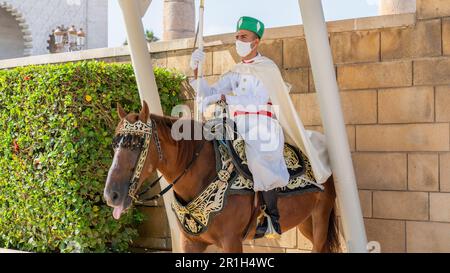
(112,198)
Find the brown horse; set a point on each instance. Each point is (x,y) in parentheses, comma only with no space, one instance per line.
(313,213)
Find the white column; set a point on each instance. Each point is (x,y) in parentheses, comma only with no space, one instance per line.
(148,90)
(387,7)
(97,24)
(333,121)
(179,19)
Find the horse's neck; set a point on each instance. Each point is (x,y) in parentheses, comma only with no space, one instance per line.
(178,156)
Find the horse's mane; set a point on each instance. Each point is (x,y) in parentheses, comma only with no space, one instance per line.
(186,148)
(164,120)
(168,121)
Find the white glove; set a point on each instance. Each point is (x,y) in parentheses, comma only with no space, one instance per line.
(206,101)
(197,57)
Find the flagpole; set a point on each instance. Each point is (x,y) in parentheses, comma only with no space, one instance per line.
(198,116)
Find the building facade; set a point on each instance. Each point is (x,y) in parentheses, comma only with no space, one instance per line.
(25,25)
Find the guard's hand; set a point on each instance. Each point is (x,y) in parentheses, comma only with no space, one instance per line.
(197,57)
(208,101)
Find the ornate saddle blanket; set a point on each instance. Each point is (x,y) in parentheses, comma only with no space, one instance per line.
(233,177)
(295,162)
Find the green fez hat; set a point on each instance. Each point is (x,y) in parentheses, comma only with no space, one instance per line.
(251,24)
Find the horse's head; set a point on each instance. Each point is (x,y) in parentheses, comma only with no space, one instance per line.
(132,164)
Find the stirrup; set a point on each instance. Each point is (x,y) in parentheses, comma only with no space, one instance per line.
(271,232)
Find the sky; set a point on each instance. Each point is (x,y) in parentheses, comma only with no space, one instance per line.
(221,15)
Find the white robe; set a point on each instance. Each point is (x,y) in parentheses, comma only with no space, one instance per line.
(311,143)
(263,135)
(250,86)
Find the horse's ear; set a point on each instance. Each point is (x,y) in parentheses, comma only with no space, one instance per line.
(120,111)
(144,114)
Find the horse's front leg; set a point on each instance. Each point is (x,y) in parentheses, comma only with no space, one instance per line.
(192,246)
(232,245)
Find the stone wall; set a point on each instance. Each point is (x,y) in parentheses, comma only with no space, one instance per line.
(394,76)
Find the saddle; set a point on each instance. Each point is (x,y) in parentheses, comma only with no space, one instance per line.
(226,135)
(292,156)
(234,178)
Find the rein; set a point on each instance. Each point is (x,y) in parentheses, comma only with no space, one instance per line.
(144,132)
(142,203)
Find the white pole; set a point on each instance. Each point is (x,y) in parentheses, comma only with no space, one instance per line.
(198,115)
(148,90)
(140,56)
(333,122)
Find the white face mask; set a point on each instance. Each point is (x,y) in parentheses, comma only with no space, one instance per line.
(243,49)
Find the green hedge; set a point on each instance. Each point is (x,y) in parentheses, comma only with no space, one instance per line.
(56,128)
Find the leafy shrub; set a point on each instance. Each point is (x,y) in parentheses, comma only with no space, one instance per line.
(56,129)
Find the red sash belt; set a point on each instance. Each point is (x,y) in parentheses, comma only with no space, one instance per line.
(262,112)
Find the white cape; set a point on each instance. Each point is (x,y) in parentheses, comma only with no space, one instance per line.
(310,143)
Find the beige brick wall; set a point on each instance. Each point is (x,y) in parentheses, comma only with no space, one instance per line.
(444,172)
(380,171)
(295,47)
(391,234)
(432,8)
(401,205)
(412,42)
(440,207)
(375,75)
(443,103)
(298,78)
(355,46)
(427,237)
(180,61)
(446,35)
(433,71)
(406,105)
(423,172)
(359,107)
(403,137)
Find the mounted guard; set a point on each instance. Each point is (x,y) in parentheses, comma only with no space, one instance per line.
(214,180)
(265,118)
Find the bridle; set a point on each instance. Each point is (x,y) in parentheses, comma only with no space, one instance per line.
(138,135)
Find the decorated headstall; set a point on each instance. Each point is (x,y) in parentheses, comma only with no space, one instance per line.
(137,136)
